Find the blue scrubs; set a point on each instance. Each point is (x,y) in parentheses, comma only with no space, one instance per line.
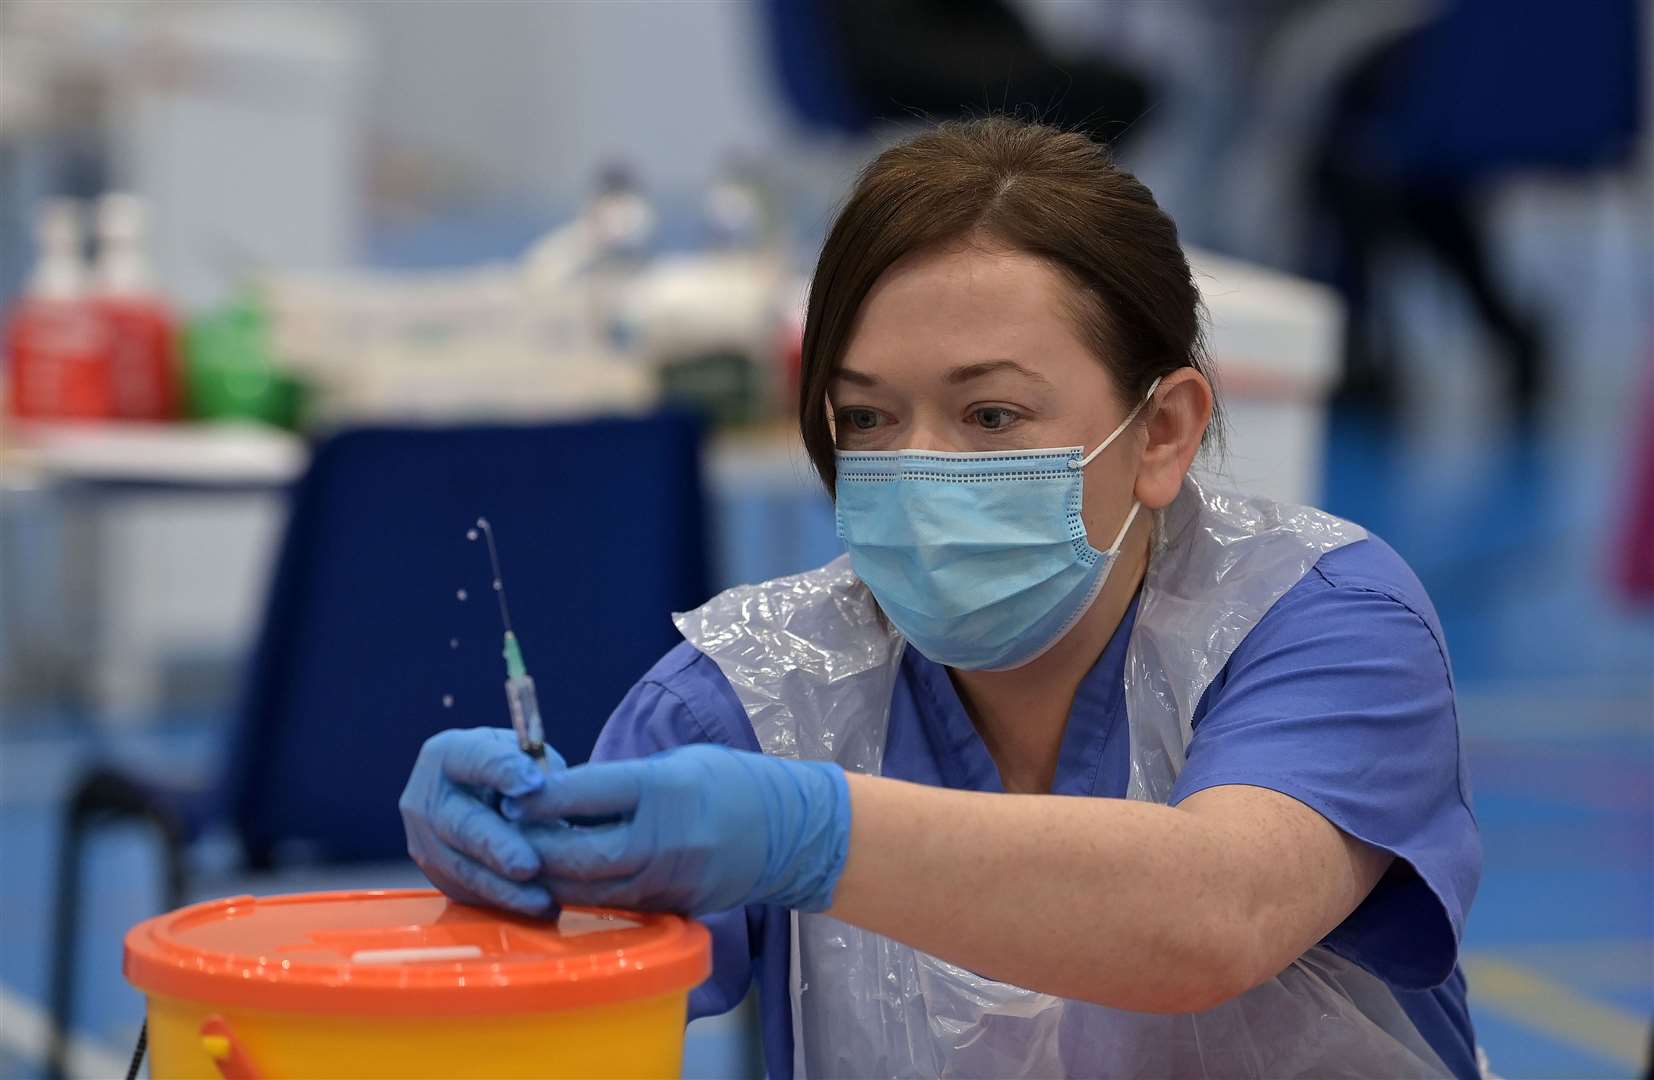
(1341,697)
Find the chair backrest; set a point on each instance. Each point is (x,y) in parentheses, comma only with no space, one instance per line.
(807,62)
(1490,87)
(601,535)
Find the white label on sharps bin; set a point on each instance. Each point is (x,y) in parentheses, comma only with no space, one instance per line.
(414,956)
(576,923)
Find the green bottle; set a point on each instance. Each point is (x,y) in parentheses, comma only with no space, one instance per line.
(229,370)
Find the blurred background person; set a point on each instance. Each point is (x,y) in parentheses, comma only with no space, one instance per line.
(1421,128)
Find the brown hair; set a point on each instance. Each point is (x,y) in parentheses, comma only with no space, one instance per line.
(1054,194)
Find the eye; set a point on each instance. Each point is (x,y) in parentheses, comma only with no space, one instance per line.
(859,419)
(994,417)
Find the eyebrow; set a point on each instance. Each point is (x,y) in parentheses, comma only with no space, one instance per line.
(967,372)
(962,374)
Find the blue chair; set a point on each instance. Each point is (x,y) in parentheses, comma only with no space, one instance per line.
(1488,88)
(600,528)
(808,63)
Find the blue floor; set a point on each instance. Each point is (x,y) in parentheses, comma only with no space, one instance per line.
(1556,698)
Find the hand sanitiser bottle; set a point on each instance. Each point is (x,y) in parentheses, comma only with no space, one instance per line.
(57,346)
(143,357)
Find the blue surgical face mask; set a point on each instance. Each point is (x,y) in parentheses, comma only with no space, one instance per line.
(979,559)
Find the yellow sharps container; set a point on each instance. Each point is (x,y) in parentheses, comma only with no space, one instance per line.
(405,984)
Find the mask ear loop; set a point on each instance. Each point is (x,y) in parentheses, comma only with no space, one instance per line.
(1148,396)
(1114,548)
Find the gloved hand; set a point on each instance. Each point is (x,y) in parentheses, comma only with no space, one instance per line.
(701,829)
(455,833)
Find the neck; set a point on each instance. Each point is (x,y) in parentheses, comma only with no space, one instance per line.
(1022,713)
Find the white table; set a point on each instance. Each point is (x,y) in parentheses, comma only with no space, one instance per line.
(125,546)
(1276,341)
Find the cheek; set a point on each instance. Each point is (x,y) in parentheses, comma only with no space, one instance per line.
(1106,502)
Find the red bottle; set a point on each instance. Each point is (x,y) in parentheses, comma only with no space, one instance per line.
(143,356)
(57,345)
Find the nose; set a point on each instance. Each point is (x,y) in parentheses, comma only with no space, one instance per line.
(930,433)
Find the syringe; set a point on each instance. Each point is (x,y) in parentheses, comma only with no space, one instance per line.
(519,694)
(519,686)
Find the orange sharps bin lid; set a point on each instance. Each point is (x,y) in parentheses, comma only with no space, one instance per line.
(409,952)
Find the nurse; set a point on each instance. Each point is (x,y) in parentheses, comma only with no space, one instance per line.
(1073,765)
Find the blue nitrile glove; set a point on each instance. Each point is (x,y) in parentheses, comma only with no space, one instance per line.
(701,828)
(455,833)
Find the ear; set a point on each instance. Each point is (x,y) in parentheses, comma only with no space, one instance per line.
(1176,421)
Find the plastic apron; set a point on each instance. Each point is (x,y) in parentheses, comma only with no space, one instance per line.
(814,666)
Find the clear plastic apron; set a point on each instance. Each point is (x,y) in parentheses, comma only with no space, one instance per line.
(814,666)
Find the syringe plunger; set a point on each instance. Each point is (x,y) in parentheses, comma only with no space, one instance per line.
(525,715)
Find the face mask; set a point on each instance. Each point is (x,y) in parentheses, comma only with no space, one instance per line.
(979,559)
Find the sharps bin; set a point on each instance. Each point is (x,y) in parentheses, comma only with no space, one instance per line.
(406,984)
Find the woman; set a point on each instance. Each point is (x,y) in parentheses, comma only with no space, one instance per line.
(863,777)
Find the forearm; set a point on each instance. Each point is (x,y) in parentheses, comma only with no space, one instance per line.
(1128,904)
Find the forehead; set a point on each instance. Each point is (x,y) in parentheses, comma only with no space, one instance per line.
(962,301)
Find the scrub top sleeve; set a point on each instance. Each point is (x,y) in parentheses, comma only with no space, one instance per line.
(1341,698)
(685,699)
